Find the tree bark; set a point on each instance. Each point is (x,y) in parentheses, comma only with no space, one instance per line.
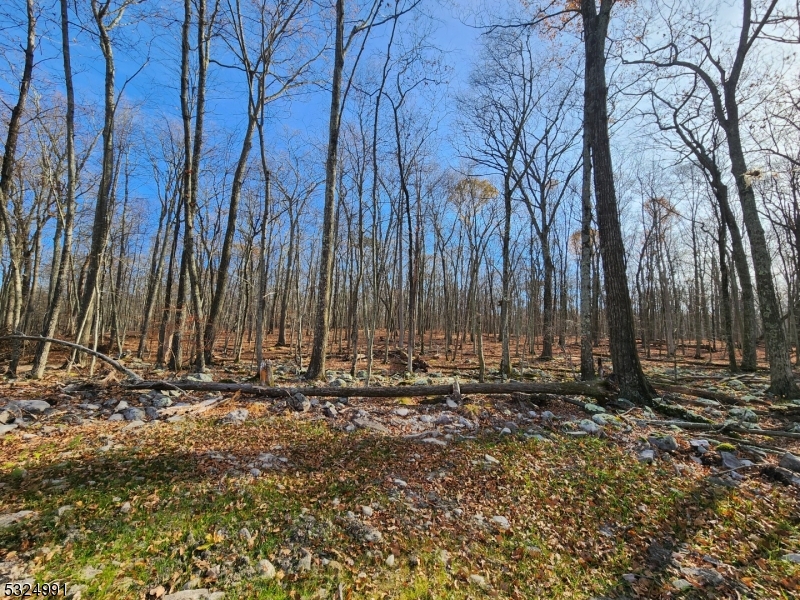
(587,359)
(316,365)
(14,313)
(60,279)
(622,339)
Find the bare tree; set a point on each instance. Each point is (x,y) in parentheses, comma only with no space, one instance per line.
(7,174)
(692,49)
(374,18)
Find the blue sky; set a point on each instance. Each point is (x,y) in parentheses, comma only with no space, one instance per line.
(155,89)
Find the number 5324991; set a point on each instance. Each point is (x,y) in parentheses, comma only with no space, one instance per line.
(26,590)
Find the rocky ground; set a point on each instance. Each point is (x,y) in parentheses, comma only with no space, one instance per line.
(122,494)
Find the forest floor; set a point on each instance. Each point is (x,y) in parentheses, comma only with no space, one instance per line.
(389,498)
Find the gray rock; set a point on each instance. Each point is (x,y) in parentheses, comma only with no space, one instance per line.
(664,443)
(329,411)
(121,405)
(501,522)
(62,510)
(731,461)
(5,417)
(89,572)
(624,403)
(706,576)
(491,459)
(790,461)
(299,403)
(30,406)
(266,569)
(304,564)
(590,427)
(367,511)
(576,433)
(434,441)
(701,446)
(116,417)
(791,557)
(401,412)
(743,414)
(593,409)
(681,584)
(4,429)
(11,518)
(371,534)
(235,417)
(133,425)
(255,472)
(133,414)
(162,401)
(199,377)
(389,560)
(478,580)
(466,423)
(547,416)
(452,403)
(370,424)
(152,413)
(646,456)
(601,419)
(446,418)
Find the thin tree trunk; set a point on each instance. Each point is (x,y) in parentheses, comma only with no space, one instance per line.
(587,359)
(316,365)
(14,314)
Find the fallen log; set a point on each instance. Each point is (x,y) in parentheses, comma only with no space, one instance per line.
(697,393)
(106,359)
(721,427)
(677,411)
(569,388)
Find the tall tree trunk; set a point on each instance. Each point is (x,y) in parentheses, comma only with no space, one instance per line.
(262,273)
(290,266)
(505,300)
(227,244)
(622,338)
(154,276)
(725,297)
(548,312)
(316,365)
(781,378)
(163,343)
(67,209)
(14,313)
(587,359)
(101,226)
